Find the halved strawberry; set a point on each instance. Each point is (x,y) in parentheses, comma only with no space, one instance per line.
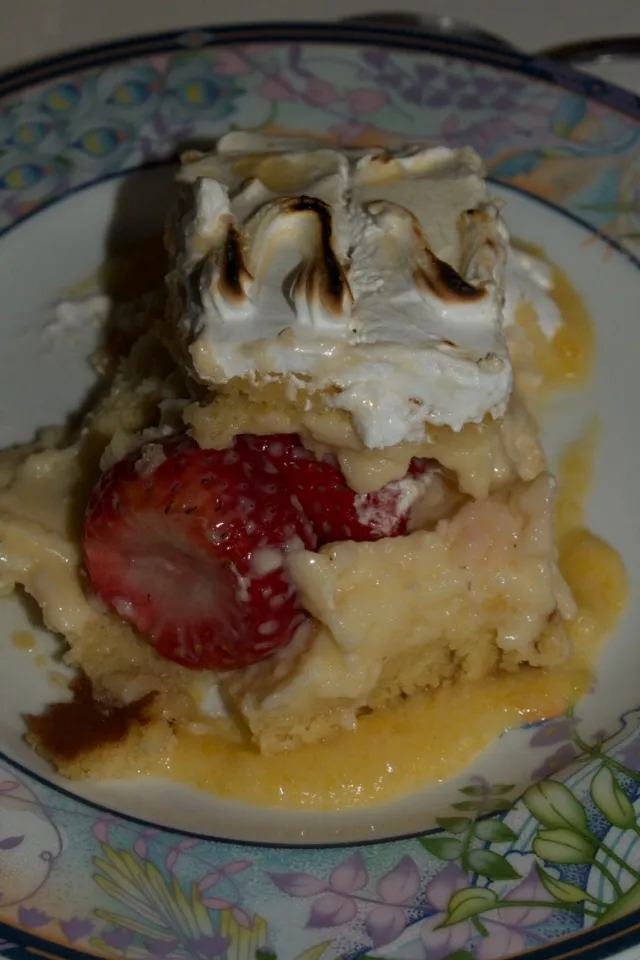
(188,545)
(336,512)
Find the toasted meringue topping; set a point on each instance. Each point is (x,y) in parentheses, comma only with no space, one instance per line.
(385,272)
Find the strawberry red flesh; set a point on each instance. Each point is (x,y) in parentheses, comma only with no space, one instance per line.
(188,545)
(336,512)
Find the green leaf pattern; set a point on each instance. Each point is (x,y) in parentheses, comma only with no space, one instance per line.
(554,805)
(572,829)
(467,903)
(493,886)
(563,846)
(611,800)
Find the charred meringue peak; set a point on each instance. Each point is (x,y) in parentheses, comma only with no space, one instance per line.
(376,277)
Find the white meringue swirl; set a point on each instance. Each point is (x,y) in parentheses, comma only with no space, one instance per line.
(376,277)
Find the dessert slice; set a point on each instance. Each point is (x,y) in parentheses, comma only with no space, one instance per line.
(310,489)
(356,300)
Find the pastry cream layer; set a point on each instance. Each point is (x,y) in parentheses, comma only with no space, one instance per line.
(395,751)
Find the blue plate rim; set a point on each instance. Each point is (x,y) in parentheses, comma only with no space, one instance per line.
(102,54)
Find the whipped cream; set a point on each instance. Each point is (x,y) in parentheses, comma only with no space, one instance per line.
(378,278)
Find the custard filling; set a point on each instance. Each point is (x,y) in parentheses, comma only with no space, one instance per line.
(472,607)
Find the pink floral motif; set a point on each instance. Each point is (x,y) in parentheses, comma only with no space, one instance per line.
(320,93)
(33,918)
(229,63)
(298,884)
(441,942)
(385,924)
(119,940)
(529,889)
(172,915)
(349,876)
(209,881)
(501,942)
(76,929)
(100,830)
(235,866)
(174,853)
(367,100)
(274,87)
(241,917)
(562,757)
(552,732)
(630,756)
(216,903)
(401,884)
(140,847)
(332,910)
(340,899)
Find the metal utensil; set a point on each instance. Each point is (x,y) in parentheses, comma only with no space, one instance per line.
(432,23)
(601,50)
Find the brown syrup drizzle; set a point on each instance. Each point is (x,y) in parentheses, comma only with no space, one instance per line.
(66,731)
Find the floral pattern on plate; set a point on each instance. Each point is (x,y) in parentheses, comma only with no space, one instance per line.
(75,129)
(499,876)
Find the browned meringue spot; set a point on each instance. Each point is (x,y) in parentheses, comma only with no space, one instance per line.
(325,276)
(430,274)
(383,157)
(233,270)
(475,213)
(332,390)
(437,276)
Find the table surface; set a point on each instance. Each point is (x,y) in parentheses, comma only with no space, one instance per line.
(35,28)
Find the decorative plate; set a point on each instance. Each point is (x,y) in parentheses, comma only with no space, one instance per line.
(537,848)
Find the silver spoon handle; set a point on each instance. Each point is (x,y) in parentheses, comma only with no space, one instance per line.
(600,50)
